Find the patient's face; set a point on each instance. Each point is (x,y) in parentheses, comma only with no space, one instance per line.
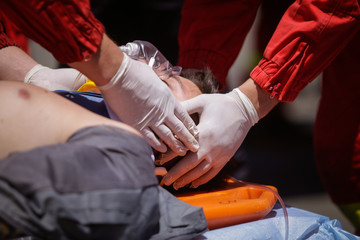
(182,88)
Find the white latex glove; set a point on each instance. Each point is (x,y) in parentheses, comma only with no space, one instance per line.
(225,120)
(139,98)
(55,79)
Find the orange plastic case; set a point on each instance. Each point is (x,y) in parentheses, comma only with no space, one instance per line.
(236,203)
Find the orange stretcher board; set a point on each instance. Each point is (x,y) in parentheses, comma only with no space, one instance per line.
(236,203)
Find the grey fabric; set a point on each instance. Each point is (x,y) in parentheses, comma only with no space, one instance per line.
(119,158)
(98,185)
(108,214)
(178,220)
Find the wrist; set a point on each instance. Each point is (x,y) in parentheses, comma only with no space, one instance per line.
(245,106)
(33,71)
(103,64)
(120,72)
(260,99)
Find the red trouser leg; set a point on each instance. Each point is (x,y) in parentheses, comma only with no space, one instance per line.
(337,131)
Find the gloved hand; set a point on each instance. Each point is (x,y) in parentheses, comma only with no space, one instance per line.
(139,98)
(55,79)
(225,119)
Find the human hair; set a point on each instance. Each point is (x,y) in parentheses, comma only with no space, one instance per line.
(203,79)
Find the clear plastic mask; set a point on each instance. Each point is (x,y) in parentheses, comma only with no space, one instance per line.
(143,50)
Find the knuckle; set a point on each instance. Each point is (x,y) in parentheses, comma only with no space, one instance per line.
(168,135)
(146,134)
(178,127)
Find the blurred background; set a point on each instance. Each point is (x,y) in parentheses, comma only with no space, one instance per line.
(279,150)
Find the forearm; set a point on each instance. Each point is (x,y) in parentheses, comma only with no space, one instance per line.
(261,100)
(14,63)
(103,64)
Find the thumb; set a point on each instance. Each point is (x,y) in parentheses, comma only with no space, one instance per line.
(194,105)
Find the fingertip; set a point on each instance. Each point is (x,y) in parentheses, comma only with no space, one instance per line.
(178,148)
(198,182)
(189,123)
(187,142)
(190,139)
(178,184)
(192,144)
(182,152)
(153,141)
(166,157)
(195,146)
(168,180)
(172,140)
(205,177)
(159,146)
(194,131)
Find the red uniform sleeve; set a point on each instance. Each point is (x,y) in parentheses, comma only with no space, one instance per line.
(66,28)
(11,34)
(309,36)
(5,40)
(212,32)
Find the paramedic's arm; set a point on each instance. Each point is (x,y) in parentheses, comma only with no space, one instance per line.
(29,71)
(103,64)
(299,48)
(138,97)
(297,52)
(225,120)
(14,63)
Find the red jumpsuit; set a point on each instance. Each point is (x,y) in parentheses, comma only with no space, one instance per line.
(67,28)
(312,37)
(10,35)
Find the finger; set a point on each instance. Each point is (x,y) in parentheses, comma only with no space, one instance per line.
(184,117)
(182,132)
(200,170)
(160,171)
(150,137)
(193,105)
(183,166)
(205,177)
(166,157)
(164,133)
(215,169)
